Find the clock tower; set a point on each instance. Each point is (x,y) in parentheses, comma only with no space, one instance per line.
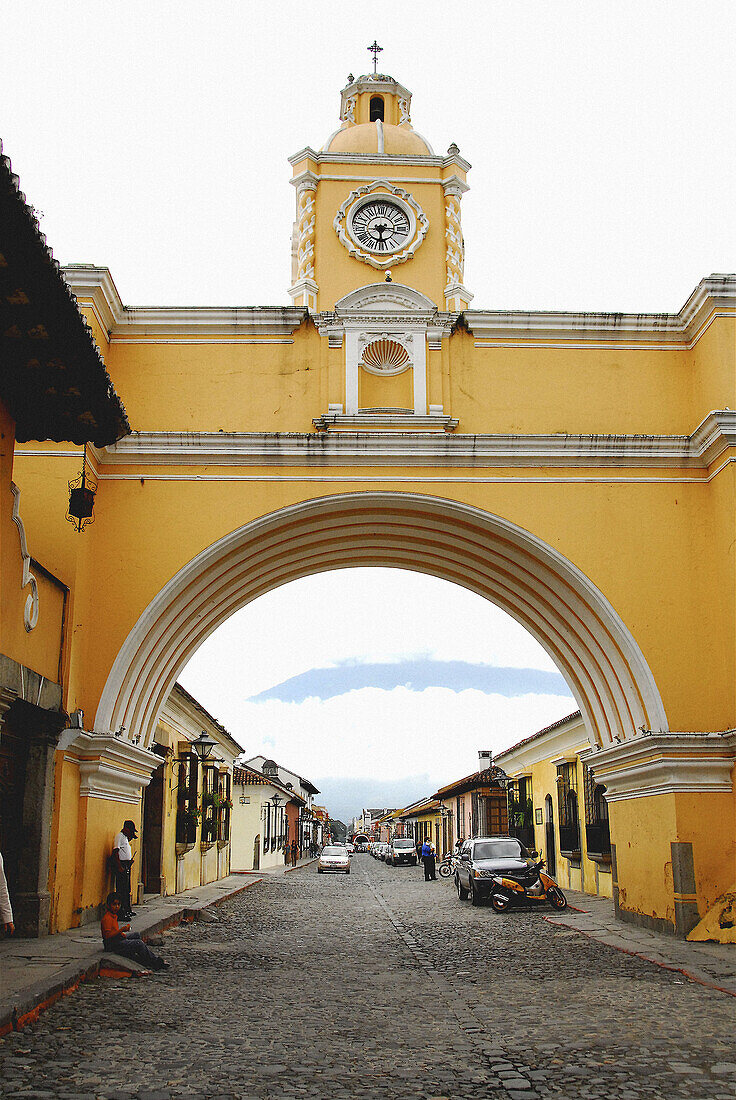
(377,199)
(377,259)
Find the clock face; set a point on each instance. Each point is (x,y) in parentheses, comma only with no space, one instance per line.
(380,226)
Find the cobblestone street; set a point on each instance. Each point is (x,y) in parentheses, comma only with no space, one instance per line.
(377,985)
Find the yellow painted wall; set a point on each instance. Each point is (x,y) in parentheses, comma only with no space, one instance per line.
(641,538)
(642,830)
(708,824)
(63,863)
(40,648)
(394,391)
(336,272)
(229,384)
(99,821)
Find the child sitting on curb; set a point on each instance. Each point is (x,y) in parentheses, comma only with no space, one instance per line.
(124,942)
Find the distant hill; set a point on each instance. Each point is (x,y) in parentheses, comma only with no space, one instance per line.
(415,675)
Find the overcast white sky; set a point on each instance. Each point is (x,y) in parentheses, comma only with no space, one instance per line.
(153,138)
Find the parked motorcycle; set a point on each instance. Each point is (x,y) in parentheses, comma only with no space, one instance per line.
(538,888)
(447,866)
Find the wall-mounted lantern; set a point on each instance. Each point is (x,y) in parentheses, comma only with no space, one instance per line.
(203,746)
(82,497)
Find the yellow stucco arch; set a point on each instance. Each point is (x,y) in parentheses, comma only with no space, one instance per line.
(491,556)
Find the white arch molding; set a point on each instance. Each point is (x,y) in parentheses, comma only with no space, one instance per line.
(537,586)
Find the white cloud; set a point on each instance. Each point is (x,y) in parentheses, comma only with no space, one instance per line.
(390,734)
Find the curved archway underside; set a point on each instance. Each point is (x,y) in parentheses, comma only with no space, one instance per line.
(543,591)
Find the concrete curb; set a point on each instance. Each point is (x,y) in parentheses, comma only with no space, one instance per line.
(24,1008)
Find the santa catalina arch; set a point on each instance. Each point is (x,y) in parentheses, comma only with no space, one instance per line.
(578,470)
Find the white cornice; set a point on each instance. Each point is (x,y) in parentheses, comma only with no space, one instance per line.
(713,297)
(109,767)
(422,448)
(665,763)
(95,284)
(427,161)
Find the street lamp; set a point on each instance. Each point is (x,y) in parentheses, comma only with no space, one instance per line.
(275,799)
(203,746)
(500,775)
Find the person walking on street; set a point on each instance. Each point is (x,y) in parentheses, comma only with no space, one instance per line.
(428,854)
(122,861)
(6,909)
(294,853)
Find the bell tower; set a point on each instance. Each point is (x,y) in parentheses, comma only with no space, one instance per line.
(374,200)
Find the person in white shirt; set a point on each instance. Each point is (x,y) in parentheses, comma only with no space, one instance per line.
(6,910)
(122,857)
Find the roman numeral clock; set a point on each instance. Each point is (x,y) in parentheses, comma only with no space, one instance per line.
(381,224)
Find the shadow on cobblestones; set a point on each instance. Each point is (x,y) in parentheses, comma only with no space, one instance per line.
(378,985)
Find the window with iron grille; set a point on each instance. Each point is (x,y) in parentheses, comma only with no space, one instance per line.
(597,830)
(521,810)
(187,809)
(224,791)
(267,826)
(567,804)
(209,800)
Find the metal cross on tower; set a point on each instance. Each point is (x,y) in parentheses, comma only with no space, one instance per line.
(375,49)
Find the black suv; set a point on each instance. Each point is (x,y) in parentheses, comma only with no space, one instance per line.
(484,856)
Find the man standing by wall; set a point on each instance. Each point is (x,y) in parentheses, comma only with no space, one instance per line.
(122,860)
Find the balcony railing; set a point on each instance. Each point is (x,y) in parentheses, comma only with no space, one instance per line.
(570,841)
(598,838)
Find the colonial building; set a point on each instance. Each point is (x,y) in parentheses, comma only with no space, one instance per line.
(187,806)
(577,469)
(557,807)
(422,820)
(308,827)
(474,805)
(54,389)
(368,819)
(267,818)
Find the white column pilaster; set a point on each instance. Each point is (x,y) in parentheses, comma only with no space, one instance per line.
(351,371)
(420,374)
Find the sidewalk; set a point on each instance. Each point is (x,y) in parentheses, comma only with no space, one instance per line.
(35,973)
(711,964)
